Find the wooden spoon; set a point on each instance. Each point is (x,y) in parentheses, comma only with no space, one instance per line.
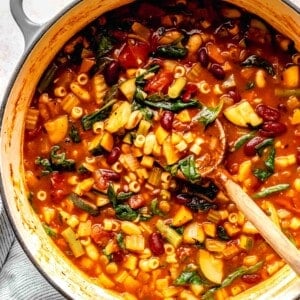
(268,230)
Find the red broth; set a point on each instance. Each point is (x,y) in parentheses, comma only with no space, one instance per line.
(130,103)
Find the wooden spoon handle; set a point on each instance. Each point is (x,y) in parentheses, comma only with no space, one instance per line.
(272,234)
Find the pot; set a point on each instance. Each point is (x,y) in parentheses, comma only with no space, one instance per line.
(42,43)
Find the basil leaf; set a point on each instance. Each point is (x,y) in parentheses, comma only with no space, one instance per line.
(209,114)
(154,208)
(74,134)
(140,80)
(105,44)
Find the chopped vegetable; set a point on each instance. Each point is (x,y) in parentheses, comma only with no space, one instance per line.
(171,51)
(75,245)
(259,62)
(87,121)
(209,114)
(211,267)
(243,140)
(57,128)
(242,114)
(188,276)
(47,78)
(271,190)
(85,205)
(169,233)
(281,92)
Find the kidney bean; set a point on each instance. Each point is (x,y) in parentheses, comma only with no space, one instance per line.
(217,71)
(118,256)
(166,120)
(298,156)
(156,243)
(235,96)
(203,57)
(189,92)
(136,201)
(111,72)
(113,156)
(272,129)
(182,199)
(109,174)
(267,113)
(249,147)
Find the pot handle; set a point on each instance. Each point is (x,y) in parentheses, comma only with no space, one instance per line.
(29,29)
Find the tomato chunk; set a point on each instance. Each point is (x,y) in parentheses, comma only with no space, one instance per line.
(134,54)
(159,83)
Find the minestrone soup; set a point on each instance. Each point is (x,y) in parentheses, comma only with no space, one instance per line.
(125,122)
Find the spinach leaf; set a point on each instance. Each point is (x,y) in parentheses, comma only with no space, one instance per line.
(163,102)
(140,80)
(120,240)
(155,209)
(87,121)
(171,51)
(188,167)
(74,134)
(257,61)
(188,276)
(55,162)
(105,44)
(49,230)
(47,78)
(222,234)
(209,114)
(125,212)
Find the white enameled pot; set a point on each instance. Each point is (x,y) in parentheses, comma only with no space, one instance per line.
(42,43)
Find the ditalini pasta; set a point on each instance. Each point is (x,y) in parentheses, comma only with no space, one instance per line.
(117,137)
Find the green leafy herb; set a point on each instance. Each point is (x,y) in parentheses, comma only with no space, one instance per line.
(164,102)
(243,140)
(257,61)
(87,121)
(140,80)
(271,190)
(268,158)
(188,168)
(155,209)
(120,240)
(56,162)
(125,212)
(222,234)
(209,114)
(74,134)
(105,44)
(112,196)
(259,148)
(188,276)
(171,51)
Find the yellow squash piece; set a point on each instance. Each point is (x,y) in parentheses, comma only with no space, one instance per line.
(57,129)
(128,88)
(119,117)
(211,267)
(182,216)
(242,114)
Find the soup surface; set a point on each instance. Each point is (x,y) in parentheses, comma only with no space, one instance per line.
(125,122)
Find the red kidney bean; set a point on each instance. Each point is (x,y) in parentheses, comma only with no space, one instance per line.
(249,147)
(136,201)
(111,72)
(267,113)
(182,199)
(156,243)
(298,156)
(113,156)
(117,256)
(235,96)
(217,71)
(166,120)
(109,174)
(189,92)
(272,129)
(203,57)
